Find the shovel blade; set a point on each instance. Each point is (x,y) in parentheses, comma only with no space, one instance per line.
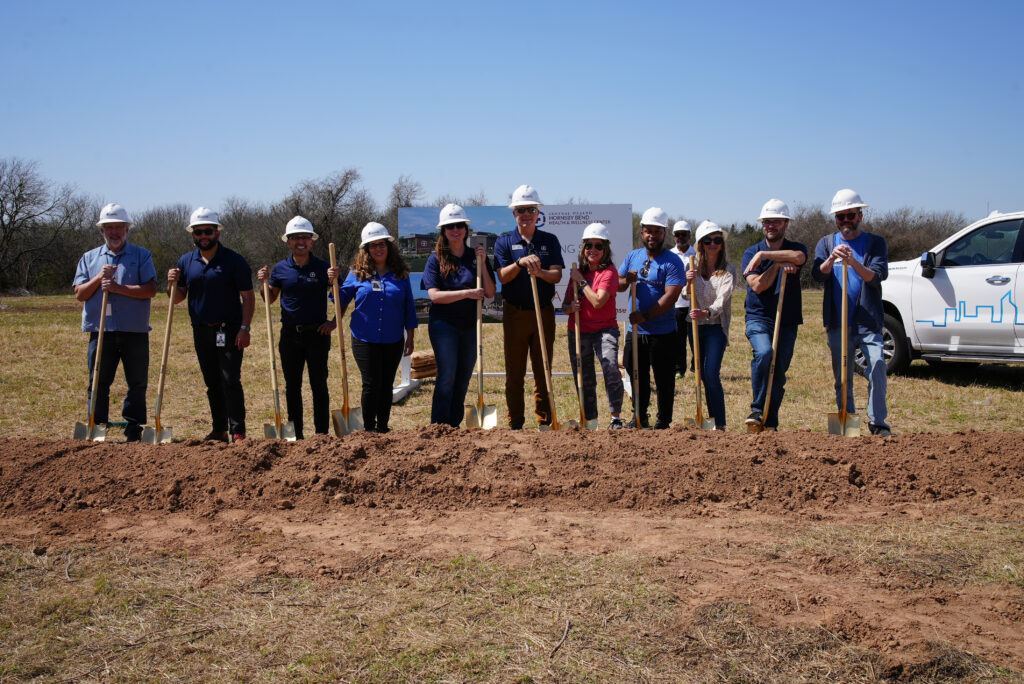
(473,421)
(591,424)
(848,427)
(154,436)
(97,433)
(287,431)
(341,427)
(572,424)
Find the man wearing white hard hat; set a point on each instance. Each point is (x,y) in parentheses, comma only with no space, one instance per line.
(684,250)
(765,265)
(659,277)
(521,254)
(866,256)
(218,284)
(126,272)
(302,281)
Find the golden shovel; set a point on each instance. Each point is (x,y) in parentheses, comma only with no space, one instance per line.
(544,357)
(843,423)
(345,419)
(699,421)
(479,415)
(279,429)
(90,430)
(759,427)
(160,434)
(590,424)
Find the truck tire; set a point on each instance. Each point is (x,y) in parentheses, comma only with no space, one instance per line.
(894,348)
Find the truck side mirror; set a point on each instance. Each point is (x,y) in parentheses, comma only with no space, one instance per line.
(928,264)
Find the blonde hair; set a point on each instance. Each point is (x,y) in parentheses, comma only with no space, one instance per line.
(364,268)
(443,249)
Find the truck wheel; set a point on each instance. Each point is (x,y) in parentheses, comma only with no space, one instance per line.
(894,348)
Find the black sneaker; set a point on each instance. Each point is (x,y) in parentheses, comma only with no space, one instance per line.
(755,418)
(616,424)
(643,424)
(515,426)
(661,426)
(880,430)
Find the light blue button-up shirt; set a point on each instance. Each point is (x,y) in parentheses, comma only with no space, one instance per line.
(134,267)
(384,307)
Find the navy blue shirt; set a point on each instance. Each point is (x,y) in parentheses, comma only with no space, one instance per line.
(303,290)
(867,313)
(464,310)
(664,270)
(511,246)
(384,309)
(213,288)
(763,306)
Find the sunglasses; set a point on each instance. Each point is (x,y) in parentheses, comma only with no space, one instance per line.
(300,237)
(599,246)
(381,244)
(712,240)
(849,216)
(645,269)
(526,210)
(202,232)
(457,226)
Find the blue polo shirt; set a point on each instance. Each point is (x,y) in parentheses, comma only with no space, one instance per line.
(462,312)
(763,306)
(213,288)
(511,246)
(384,308)
(303,290)
(665,270)
(134,267)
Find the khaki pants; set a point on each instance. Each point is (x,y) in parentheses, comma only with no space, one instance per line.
(520,329)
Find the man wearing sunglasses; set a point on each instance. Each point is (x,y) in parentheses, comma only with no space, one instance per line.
(867,259)
(764,266)
(521,254)
(218,284)
(659,277)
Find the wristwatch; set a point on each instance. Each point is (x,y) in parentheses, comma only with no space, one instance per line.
(244,327)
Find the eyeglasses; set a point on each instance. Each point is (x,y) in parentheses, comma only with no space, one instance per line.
(202,232)
(599,246)
(380,244)
(457,226)
(712,240)
(772,222)
(849,216)
(304,236)
(645,269)
(526,210)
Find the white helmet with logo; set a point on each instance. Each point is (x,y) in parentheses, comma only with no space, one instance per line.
(654,216)
(525,196)
(203,216)
(374,231)
(113,213)
(681,226)
(452,213)
(846,200)
(597,231)
(707,228)
(774,209)
(299,226)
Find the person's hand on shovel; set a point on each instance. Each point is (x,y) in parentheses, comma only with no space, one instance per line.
(532,264)
(107,283)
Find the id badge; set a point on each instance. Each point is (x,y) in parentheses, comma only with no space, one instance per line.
(377,285)
(222,339)
(110,309)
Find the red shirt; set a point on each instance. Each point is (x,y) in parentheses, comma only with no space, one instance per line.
(591,319)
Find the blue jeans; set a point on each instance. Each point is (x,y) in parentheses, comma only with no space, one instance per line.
(760,335)
(712,350)
(455,352)
(871,346)
(132,350)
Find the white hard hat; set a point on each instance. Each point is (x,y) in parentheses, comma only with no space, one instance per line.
(654,216)
(774,209)
(113,213)
(846,200)
(707,228)
(525,196)
(203,216)
(680,226)
(374,231)
(452,213)
(596,230)
(298,226)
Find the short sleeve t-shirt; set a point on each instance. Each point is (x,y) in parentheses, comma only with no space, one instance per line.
(591,319)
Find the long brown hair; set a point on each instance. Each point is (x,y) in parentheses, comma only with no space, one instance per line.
(703,268)
(364,268)
(606,256)
(443,249)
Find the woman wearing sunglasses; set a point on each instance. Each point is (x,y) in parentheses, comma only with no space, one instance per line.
(450,278)
(596,279)
(384,306)
(713,280)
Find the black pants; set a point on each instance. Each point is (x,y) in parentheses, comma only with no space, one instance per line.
(131,349)
(299,350)
(657,352)
(378,364)
(222,373)
(683,327)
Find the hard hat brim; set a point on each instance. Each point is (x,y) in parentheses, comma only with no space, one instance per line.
(762,217)
(284,238)
(103,222)
(450,221)
(374,239)
(849,207)
(204,223)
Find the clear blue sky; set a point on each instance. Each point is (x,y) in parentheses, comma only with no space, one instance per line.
(706,109)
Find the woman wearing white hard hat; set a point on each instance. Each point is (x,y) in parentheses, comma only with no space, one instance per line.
(595,277)
(384,309)
(450,278)
(714,279)
(303,281)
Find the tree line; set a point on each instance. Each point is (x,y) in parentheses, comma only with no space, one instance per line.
(45,227)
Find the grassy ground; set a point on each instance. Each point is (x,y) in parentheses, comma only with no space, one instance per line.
(43,379)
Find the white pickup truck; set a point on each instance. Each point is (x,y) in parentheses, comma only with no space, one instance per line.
(962,301)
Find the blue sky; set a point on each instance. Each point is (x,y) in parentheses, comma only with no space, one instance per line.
(706,109)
